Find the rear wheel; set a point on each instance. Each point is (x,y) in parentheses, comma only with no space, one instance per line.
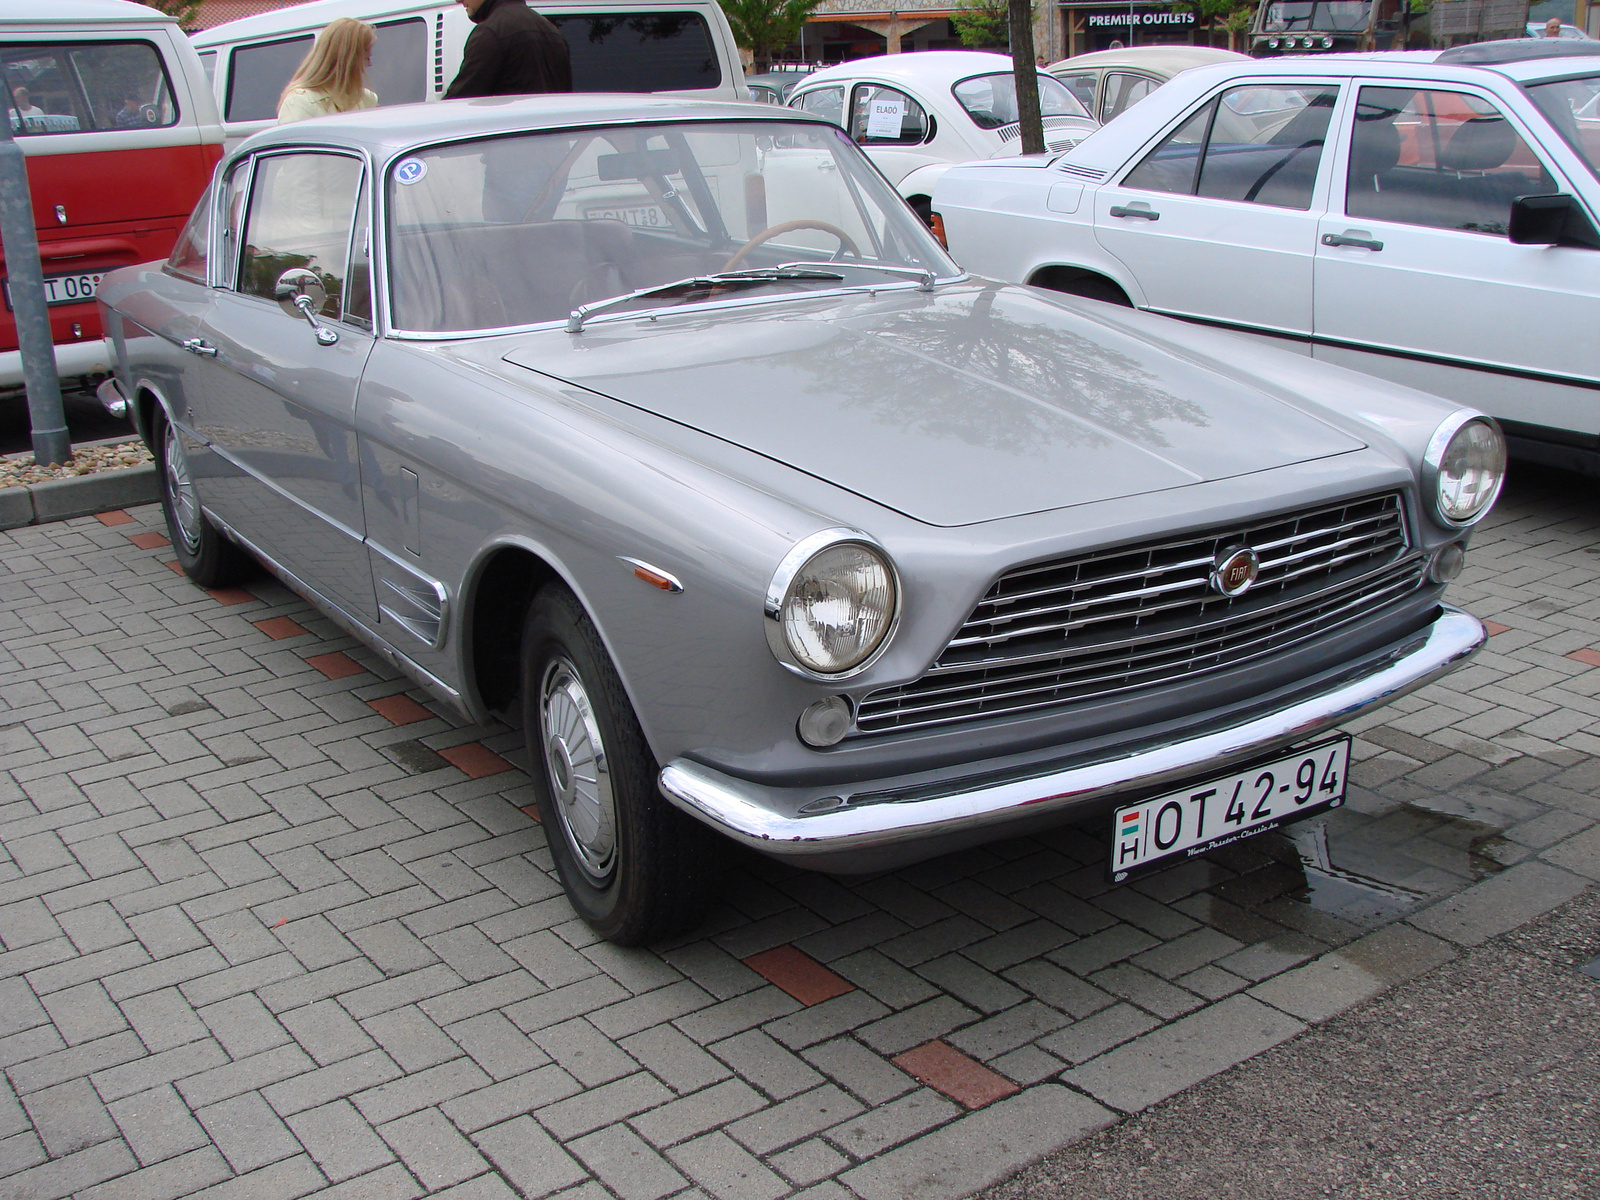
(204,552)
(634,867)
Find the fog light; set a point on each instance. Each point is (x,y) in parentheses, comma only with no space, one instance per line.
(1447,562)
(1327,43)
(1273,42)
(825,722)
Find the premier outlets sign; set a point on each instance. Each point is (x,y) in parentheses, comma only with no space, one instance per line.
(1123,18)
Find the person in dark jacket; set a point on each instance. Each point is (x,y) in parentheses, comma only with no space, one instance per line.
(512,51)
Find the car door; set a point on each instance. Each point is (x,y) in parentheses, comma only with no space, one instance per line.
(892,128)
(1416,280)
(281,420)
(1218,221)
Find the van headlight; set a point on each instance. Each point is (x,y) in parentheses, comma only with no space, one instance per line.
(832,604)
(1464,467)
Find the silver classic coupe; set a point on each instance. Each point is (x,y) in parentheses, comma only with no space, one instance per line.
(666,430)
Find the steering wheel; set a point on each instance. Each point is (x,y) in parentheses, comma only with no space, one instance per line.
(772,231)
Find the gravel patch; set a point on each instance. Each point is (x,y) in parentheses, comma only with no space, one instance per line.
(20,470)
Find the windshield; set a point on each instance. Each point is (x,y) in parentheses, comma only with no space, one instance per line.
(519,230)
(1324,16)
(1573,107)
(991,100)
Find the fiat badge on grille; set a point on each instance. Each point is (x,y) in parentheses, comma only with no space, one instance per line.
(1235,570)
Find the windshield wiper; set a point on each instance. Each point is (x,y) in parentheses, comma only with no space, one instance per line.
(583,312)
(925,276)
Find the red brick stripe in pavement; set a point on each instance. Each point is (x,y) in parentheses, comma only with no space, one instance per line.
(337,665)
(475,759)
(946,1069)
(278,628)
(400,710)
(532,810)
(230,595)
(1588,657)
(1495,627)
(797,973)
(149,541)
(175,567)
(115,517)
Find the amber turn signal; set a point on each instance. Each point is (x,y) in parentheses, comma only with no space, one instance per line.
(936,223)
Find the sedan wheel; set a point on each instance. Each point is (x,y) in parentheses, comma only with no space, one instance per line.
(634,867)
(204,552)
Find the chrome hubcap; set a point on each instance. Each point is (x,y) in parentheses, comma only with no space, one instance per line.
(181,493)
(575,764)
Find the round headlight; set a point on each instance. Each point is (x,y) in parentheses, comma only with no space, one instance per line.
(1464,467)
(832,604)
(1273,42)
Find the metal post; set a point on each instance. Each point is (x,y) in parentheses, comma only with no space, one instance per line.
(26,281)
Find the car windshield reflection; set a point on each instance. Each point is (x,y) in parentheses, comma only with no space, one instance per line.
(509,232)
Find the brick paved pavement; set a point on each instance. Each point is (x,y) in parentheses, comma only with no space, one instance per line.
(273,927)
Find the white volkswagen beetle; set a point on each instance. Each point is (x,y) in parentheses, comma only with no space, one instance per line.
(916,114)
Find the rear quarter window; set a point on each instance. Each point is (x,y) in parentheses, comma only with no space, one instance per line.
(85,87)
(640,52)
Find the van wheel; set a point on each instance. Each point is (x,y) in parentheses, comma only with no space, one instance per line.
(635,868)
(205,553)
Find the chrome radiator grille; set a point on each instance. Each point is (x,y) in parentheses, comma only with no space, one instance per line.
(1079,629)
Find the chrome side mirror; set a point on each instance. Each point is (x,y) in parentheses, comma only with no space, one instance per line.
(300,294)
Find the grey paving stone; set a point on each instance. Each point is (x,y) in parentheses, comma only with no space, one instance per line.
(71,1173)
(816,1110)
(1058,988)
(626,1164)
(1026,1065)
(694,1114)
(528,1157)
(81,1013)
(340,1140)
(1007,1031)
(1173,1057)
(603,1105)
(1499,903)
(420,1089)
(243,1025)
(1015,1131)
(166,1180)
(1094,1035)
(726,1171)
(827,1019)
(808,1162)
(1100,950)
(432,1149)
(1356,972)
(331,1083)
(497,1046)
(958,976)
(733,1016)
(411,1038)
(164,1019)
(248,1132)
(674,1059)
(903,1030)
(867,1075)
(69,1117)
(326,1032)
(758,1059)
(157,1124)
(584,1052)
(386,1183)
(245,1074)
(889,1124)
(524,1093)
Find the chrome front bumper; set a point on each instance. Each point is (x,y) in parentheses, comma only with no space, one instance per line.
(886,822)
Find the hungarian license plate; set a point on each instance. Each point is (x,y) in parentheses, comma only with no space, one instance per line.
(1183,824)
(74,287)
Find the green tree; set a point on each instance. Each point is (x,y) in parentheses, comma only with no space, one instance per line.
(982,24)
(763,27)
(184,10)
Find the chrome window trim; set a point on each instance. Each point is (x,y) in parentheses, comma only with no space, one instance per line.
(783,578)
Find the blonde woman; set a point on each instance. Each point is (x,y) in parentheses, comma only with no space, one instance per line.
(333,77)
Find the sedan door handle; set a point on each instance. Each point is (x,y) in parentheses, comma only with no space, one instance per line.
(1144,210)
(199,346)
(1342,239)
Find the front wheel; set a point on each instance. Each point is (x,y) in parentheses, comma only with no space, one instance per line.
(634,867)
(204,552)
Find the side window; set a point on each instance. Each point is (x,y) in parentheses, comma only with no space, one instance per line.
(1448,160)
(86,87)
(257,76)
(881,116)
(358,288)
(1122,93)
(192,250)
(399,70)
(638,52)
(235,189)
(827,102)
(1172,166)
(302,207)
(1260,144)
(1082,87)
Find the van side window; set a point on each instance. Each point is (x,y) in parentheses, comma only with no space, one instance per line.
(192,249)
(86,87)
(257,76)
(639,52)
(399,71)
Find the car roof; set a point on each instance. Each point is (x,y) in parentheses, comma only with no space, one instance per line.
(384,132)
(33,12)
(922,66)
(1166,60)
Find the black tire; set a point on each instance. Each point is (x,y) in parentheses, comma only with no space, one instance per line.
(634,867)
(205,553)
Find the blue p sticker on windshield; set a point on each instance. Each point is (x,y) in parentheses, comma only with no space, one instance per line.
(411,170)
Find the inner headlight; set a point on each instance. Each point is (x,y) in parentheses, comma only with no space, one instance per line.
(832,604)
(1464,467)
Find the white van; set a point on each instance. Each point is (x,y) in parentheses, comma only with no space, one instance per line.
(681,47)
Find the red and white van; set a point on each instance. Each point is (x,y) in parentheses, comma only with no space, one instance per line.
(110,105)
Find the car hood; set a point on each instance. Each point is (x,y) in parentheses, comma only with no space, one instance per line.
(968,404)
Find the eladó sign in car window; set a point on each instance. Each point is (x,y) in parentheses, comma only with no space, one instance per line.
(884,117)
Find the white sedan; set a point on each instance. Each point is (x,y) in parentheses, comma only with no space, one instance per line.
(915,114)
(1433,219)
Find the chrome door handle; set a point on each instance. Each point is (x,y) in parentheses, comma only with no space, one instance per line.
(199,346)
(1149,214)
(1340,239)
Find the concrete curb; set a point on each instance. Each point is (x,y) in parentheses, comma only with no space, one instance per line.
(81,495)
